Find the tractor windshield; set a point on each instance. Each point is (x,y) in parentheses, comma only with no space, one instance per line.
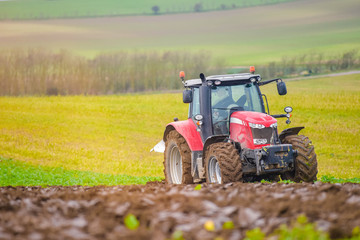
(224,99)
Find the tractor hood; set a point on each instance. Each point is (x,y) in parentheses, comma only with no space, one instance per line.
(252,130)
(253,117)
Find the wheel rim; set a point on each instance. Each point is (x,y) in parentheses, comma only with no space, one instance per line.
(175,165)
(214,170)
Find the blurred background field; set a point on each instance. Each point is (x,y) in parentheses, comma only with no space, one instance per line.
(114,134)
(240,36)
(40,9)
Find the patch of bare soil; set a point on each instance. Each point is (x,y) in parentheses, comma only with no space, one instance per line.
(98,212)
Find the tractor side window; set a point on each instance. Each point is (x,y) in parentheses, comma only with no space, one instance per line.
(195,102)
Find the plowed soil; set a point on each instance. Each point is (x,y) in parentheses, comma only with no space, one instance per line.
(98,212)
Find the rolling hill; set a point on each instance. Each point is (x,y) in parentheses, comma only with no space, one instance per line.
(240,36)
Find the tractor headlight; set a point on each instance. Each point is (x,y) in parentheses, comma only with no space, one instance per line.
(274,125)
(256,125)
(260,141)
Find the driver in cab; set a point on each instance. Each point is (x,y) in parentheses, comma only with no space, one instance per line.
(221,101)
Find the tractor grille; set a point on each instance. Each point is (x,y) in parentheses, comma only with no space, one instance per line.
(264,133)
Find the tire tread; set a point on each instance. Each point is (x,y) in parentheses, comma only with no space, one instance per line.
(229,161)
(185,153)
(306,160)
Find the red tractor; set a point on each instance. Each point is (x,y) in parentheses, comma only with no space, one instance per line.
(229,136)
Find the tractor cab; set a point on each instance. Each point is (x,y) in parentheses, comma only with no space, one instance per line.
(216,98)
(226,97)
(229,135)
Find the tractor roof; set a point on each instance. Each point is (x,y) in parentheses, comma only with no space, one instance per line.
(243,77)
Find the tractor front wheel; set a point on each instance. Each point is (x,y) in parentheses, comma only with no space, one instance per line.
(222,163)
(177,160)
(305,162)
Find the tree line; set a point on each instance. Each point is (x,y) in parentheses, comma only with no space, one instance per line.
(38,71)
(311,63)
(42,72)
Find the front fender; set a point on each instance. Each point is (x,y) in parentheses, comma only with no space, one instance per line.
(290,131)
(187,129)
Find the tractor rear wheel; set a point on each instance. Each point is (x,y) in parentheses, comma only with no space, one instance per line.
(177,160)
(305,162)
(222,163)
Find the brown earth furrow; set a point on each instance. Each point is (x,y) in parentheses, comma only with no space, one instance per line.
(98,212)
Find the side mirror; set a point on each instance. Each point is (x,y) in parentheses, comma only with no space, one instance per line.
(281,87)
(187,96)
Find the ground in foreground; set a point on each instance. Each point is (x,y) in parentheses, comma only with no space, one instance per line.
(99,212)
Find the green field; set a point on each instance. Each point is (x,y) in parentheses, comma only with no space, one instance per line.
(243,36)
(40,9)
(19,173)
(113,134)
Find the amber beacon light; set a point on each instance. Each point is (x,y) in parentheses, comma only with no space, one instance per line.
(252,69)
(182,74)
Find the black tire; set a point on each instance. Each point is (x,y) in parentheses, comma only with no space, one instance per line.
(228,162)
(305,162)
(175,147)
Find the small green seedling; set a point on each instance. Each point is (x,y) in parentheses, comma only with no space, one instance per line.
(228,225)
(177,235)
(131,222)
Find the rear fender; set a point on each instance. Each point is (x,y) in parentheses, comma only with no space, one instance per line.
(289,131)
(187,129)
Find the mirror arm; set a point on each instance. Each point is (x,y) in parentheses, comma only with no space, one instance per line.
(269,81)
(279,115)
(283,116)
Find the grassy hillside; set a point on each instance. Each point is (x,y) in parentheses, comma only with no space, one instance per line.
(241,36)
(113,134)
(40,9)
